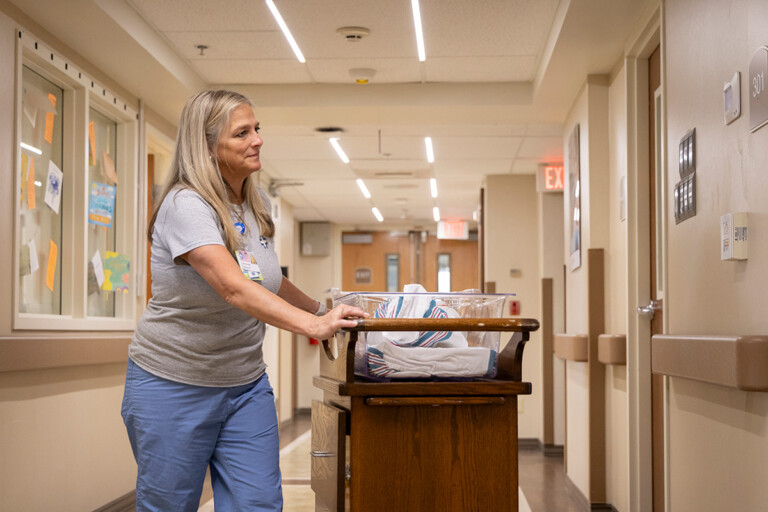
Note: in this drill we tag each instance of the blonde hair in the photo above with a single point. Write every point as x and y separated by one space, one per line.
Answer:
204 118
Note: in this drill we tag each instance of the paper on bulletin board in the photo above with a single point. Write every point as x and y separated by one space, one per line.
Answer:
24 167
101 204
92 141
49 119
53 186
108 167
34 263
116 272
51 267
98 268
31 203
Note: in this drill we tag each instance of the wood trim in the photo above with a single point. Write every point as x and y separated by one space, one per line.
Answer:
734 361
572 347
547 350
20 354
612 349
596 375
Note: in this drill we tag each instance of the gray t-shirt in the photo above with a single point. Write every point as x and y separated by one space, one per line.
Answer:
188 333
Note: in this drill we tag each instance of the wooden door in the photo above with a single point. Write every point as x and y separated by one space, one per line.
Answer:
656 185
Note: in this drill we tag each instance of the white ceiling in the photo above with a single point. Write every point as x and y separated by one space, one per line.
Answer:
499 78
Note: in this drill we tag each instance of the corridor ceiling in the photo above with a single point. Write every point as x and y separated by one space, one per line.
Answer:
499 79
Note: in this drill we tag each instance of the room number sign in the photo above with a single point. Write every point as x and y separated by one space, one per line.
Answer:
758 97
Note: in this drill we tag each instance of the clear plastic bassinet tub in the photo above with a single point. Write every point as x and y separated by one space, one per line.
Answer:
434 355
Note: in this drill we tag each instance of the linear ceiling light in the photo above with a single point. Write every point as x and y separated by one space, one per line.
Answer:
433 186
430 151
417 26
436 214
286 32
363 188
335 143
31 148
377 214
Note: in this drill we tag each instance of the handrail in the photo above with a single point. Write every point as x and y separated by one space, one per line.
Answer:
446 324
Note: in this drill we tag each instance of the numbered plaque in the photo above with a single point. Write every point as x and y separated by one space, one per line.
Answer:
758 98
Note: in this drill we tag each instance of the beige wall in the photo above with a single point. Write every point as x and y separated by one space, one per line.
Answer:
511 242
718 437
616 411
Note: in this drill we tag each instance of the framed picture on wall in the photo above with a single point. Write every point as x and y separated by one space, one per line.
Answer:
574 199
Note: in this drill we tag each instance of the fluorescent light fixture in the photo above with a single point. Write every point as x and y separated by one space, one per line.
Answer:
377 214
38 183
417 26
436 214
31 148
363 188
286 32
335 143
433 186
430 151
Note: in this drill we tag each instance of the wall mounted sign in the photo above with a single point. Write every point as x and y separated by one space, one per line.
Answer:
363 275
452 230
758 98
550 178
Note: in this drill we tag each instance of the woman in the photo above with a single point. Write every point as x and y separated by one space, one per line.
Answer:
196 392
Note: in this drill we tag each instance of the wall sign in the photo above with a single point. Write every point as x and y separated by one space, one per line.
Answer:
452 230
363 275
550 178
758 98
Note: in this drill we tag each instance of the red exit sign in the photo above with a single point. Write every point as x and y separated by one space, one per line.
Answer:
452 230
550 178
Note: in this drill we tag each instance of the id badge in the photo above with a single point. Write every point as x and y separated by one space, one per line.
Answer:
248 265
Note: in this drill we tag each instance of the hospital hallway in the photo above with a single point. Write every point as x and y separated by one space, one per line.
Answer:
543 486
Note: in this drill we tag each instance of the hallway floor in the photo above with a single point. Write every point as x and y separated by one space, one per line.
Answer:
542 480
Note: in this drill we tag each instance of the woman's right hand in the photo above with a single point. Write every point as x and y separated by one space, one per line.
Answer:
343 315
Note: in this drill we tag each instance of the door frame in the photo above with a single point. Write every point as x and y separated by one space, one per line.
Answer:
638 260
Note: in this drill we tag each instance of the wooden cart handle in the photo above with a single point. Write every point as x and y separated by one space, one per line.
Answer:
445 324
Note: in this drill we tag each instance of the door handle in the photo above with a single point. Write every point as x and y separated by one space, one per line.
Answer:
322 454
650 309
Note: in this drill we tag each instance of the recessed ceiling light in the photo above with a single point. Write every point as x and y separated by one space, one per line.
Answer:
286 31
419 32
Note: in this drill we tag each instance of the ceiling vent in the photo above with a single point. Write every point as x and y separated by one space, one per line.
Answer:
329 129
353 34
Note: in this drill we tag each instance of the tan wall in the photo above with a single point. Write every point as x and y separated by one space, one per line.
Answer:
715 434
616 412
512 242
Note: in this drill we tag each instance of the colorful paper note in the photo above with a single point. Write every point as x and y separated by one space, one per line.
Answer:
92 140
101 204
31 191
49 117
24 167
51 269
53 186
116 272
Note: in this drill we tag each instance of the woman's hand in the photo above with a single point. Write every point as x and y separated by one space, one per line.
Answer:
343 315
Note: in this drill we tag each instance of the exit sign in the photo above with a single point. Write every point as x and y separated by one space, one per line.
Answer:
550 178
452 230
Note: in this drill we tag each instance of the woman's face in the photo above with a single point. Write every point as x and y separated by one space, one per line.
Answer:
239 144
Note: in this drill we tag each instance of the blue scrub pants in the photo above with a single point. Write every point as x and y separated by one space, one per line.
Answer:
178 430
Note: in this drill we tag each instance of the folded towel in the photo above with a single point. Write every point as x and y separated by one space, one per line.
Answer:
391 361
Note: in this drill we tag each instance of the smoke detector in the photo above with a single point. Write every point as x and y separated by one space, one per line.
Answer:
353 34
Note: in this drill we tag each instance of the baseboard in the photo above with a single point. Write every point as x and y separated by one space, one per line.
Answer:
553 450
302 411
125 503
582 502
528 443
